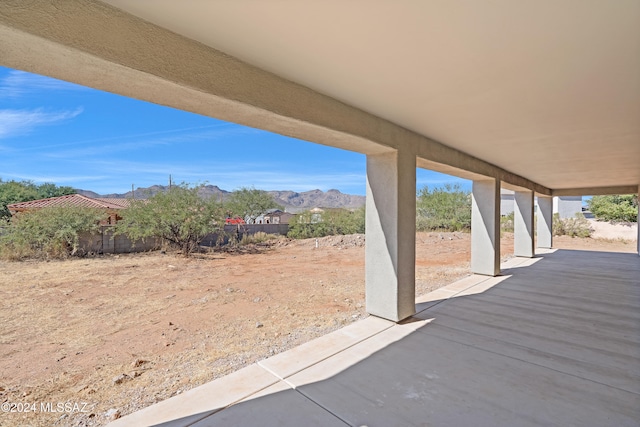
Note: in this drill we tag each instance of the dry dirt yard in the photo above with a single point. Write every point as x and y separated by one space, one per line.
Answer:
110 335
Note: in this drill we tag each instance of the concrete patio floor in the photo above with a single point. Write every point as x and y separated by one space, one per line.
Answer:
554 340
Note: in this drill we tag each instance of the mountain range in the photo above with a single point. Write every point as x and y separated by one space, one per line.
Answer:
292 201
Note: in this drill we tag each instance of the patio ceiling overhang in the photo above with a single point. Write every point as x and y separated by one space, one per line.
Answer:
541 95
533 96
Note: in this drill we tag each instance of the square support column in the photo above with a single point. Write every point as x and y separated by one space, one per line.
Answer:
545 222
390 251
485 227
523 224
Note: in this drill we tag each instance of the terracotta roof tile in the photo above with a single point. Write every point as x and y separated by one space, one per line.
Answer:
71 200
123 203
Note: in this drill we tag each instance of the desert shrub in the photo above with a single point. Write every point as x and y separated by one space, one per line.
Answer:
619 208
507 222
331 222
443 208
179 216
259 237
305 225
48 233
577 226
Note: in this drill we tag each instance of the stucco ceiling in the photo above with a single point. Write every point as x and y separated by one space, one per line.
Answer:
549 90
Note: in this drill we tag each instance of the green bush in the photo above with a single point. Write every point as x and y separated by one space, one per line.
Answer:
179 216
445 208
615 208
48 233
577 226
331 222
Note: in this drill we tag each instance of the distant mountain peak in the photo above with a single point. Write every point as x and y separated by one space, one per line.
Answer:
292 201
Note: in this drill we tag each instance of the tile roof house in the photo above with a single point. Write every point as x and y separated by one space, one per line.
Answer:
104 241
111 205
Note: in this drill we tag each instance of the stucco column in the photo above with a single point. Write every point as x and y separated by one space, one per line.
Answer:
485 227
545 222
390 252
523 224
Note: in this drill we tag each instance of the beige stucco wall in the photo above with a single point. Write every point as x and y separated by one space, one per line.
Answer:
106 242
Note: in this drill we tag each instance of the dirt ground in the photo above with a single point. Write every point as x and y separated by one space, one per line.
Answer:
619 231
87 340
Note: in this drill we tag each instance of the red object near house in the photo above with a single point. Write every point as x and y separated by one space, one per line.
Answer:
234 221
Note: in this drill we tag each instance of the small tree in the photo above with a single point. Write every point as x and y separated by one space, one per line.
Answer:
179 216
15 192
49 189
443 208
615 208
48 232
250 203
24 191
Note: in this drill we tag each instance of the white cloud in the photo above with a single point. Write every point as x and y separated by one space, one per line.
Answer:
19 83
19 122
149 139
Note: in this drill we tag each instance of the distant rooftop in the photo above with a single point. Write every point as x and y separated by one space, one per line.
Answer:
70 200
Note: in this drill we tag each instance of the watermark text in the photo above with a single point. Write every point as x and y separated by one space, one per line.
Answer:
48 407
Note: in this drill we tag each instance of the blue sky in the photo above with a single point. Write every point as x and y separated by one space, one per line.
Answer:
54 131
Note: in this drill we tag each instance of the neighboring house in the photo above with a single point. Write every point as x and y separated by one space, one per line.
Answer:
278 217
565 206
274 216
109 205
102 242
274 221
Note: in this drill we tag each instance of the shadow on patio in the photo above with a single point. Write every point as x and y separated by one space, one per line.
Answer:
556 342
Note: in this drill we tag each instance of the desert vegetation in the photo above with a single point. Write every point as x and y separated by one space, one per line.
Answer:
578 226
446 208
179 216
48 233
616 208
330 222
